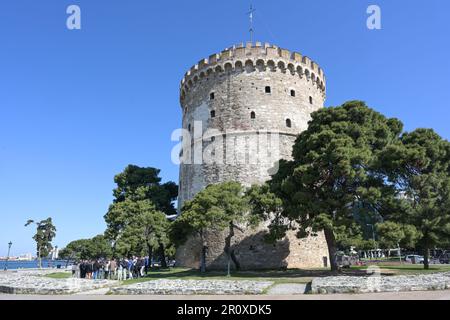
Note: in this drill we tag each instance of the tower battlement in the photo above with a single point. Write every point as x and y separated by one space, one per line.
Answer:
254 57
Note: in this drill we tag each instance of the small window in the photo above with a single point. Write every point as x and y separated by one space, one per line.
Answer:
213 138
211 96
252 115
267 89
288 123
310 100
213 113
189 127
292 93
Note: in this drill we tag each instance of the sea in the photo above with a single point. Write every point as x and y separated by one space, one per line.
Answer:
33 264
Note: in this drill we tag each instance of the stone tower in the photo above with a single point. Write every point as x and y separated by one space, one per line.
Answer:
242 110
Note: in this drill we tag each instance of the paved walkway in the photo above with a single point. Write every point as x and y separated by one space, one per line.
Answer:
416 295
287 289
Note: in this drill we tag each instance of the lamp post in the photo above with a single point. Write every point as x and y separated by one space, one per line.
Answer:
7 257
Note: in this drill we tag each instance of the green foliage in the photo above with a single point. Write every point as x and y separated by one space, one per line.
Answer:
136 220
144 228
336 167
213 208
148 182
419 167
45 232
217 207
86 249
393 234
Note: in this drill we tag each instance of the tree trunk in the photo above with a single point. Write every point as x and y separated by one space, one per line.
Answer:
235 260
162 256
332 248
426 258
39 258
227 249
203 254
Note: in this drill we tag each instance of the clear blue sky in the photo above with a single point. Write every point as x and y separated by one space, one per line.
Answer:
78 106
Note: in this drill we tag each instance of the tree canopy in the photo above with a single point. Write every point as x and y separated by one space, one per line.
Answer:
335 167
137 219
217 207
45 232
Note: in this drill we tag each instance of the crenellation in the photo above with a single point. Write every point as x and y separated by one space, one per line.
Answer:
255 53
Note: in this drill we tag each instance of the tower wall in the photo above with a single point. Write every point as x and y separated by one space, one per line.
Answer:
252 100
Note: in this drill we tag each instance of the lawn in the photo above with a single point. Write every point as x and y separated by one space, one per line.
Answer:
277 276
59 275
405 269
284 276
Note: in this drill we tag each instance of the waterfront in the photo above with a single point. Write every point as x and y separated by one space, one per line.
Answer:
32 264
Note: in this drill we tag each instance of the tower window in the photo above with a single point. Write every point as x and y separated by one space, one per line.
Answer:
310 100
288 123
211 96
252 115
213 113
268 89
292 93
189 127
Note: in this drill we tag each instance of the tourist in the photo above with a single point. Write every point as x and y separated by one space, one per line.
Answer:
106 267
74 270
130 268
112 268
120 271
89 269
83 269
124 268
147 264
141 269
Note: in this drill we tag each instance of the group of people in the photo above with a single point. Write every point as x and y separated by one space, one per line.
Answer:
114 269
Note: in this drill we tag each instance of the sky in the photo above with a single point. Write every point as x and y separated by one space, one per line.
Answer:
78 106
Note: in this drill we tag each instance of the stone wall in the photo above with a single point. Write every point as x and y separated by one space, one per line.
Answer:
242 110
377 283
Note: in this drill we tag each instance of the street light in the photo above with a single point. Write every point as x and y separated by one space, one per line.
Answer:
7 257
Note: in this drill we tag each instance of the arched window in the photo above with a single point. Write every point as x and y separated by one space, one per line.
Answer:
292 93
267 89
288 123
271 65
213 113
211 96
252 115
310 100
189 127
260 65
249 66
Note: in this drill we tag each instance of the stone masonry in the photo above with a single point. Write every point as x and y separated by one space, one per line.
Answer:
242 111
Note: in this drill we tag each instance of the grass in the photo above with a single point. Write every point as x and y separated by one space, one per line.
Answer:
58 275
404 269
285 276
277 276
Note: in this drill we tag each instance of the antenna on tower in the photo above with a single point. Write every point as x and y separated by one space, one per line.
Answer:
250 16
